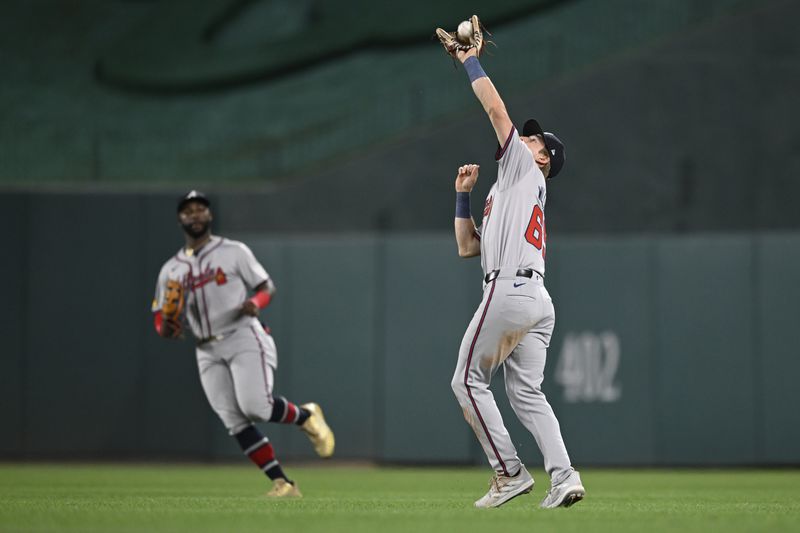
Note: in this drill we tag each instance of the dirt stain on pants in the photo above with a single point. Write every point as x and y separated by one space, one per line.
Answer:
508 342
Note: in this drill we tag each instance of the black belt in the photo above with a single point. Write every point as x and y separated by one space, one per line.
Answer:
522 273
212 338
206 340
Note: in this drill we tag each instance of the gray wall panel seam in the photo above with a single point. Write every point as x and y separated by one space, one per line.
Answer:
141 378
379 341
24 353
656 451
757 362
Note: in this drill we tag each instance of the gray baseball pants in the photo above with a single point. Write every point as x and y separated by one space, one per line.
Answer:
237 377
511 328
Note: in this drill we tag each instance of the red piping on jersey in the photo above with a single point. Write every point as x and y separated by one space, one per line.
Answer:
191 276
205 309
263 364
501 151
466 380
202 255
200 258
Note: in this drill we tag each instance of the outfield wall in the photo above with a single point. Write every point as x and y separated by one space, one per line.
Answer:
667 350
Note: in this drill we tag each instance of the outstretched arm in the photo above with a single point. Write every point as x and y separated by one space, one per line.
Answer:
468 244
487 94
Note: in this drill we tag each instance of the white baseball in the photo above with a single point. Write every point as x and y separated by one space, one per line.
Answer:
465 31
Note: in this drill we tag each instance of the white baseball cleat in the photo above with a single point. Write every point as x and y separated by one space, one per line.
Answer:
566 493
504 488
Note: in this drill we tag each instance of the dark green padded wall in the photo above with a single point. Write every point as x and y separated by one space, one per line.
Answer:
429 296
705 357
602 290
778 349
14 219
667 350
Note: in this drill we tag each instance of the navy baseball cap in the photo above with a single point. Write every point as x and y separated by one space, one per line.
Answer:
551 142
193 196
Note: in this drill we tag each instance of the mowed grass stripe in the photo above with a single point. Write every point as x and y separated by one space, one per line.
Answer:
199 498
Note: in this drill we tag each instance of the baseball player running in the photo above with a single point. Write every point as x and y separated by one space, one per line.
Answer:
514 322
235 355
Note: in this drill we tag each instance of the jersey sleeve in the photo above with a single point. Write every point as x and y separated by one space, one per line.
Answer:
514 159
250 269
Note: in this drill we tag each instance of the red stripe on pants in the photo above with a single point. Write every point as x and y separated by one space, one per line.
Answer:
469 389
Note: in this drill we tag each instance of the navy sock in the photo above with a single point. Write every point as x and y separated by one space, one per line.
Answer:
258 448
285 412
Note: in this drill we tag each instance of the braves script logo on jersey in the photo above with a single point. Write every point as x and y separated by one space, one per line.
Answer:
207 276
487 208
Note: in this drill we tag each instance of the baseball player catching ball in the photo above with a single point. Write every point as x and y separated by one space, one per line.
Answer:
211 279
514 322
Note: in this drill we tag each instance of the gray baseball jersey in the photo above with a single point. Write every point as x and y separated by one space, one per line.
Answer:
512 232
216 281
514 322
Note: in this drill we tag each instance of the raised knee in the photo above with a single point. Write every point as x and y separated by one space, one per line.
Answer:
256 413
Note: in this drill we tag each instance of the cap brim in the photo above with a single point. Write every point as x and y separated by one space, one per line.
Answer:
198 199
531 128
557 153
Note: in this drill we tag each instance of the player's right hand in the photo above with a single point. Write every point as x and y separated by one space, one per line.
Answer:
467 177
249 308
463 55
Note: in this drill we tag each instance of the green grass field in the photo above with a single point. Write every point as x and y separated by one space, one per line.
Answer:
198 498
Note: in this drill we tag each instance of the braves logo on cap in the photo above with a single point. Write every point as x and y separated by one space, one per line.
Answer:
193 196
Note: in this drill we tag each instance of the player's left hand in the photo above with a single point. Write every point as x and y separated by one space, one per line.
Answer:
249 308
467 177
